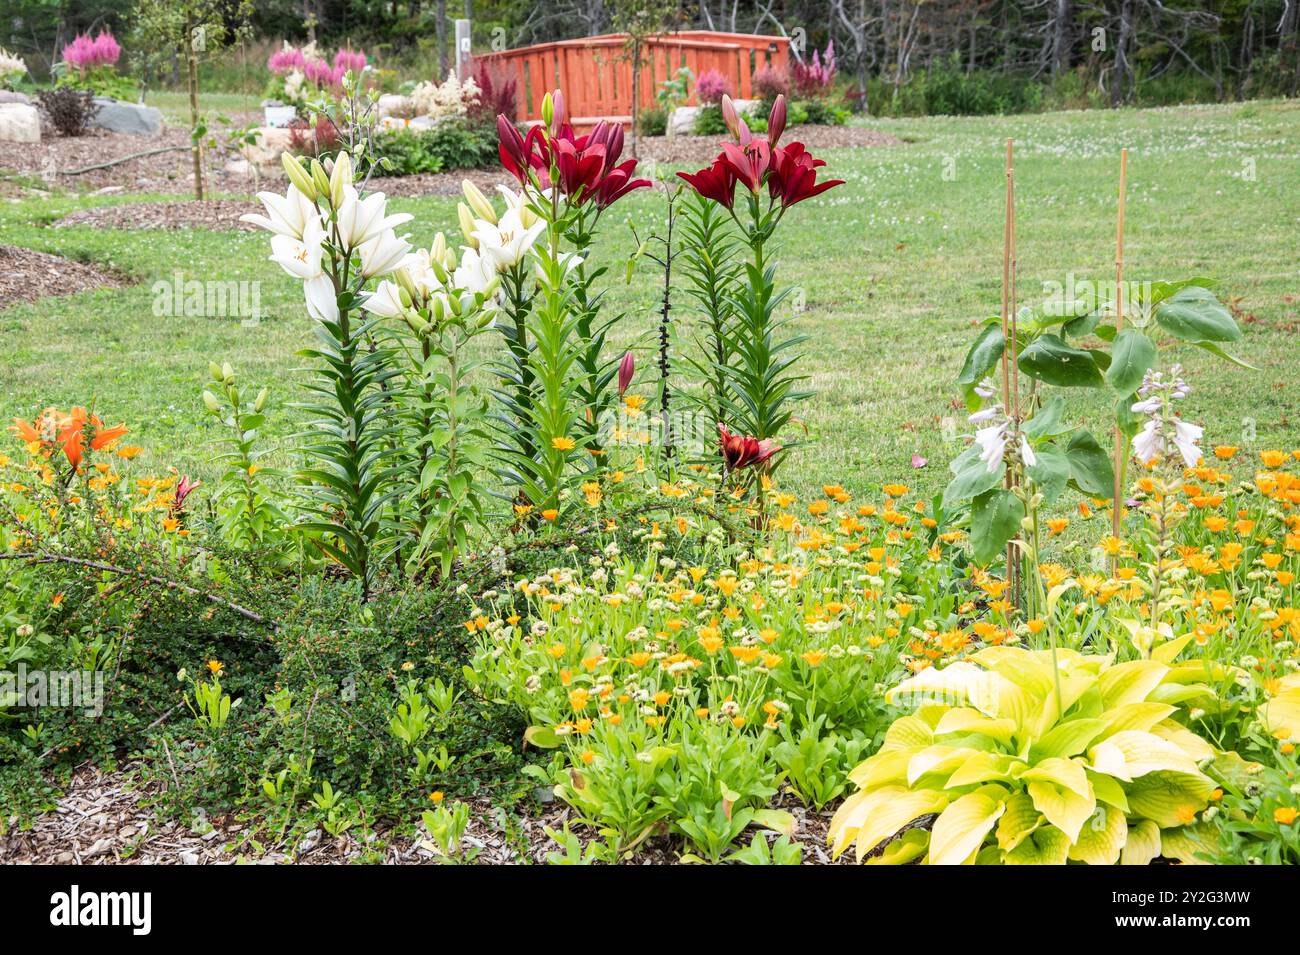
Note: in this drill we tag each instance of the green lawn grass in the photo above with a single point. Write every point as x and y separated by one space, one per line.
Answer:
896 268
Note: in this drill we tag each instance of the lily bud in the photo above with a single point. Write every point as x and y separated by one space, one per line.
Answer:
405 284
210 400
626 368
449 260
298 176
342 176
438 251
776 120
441 271
548 109
227 373
466 224
405 297
418 324
438 311
321 178
478 202
260 403
215 371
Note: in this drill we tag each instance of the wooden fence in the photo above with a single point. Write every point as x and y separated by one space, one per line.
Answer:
595 73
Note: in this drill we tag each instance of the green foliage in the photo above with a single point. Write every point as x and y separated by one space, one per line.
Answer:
452 144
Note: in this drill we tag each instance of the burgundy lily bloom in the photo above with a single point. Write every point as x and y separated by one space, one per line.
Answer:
735 122
716 182
581 166
749 163
626 368
184 488
521 153
742 451
794 175
617 183
776 121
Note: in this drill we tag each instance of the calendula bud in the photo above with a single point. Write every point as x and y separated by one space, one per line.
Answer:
340 177
211 402
467 226
298 175
478 202
260 403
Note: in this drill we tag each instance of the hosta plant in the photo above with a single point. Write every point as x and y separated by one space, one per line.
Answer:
1028 757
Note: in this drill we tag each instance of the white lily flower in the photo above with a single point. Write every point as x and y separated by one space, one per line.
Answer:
385 301
382 254
322 304
360 220
300 257
285 215
508 241
475 272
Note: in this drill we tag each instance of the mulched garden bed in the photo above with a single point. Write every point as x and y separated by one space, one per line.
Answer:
215 214
104 818
26 275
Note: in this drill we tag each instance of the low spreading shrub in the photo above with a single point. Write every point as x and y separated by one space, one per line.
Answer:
68 110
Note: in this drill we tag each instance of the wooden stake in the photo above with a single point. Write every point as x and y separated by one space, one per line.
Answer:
1009 374
1120 457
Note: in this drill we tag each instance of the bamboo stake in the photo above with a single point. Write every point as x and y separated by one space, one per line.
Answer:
1008 336
1116 503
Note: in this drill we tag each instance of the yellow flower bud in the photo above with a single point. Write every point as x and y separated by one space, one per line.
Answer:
466 224
478 202
298 176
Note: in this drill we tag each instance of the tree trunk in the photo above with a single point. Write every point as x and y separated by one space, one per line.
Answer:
196 149
440 32
1118 94
1062 34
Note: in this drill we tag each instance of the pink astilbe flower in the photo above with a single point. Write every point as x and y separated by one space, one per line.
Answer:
83 53
354 60
711 87
287 59
816 77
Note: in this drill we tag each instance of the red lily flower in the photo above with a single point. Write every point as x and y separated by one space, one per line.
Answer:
749 163
67 432
716 182
793 175
743 451
184 488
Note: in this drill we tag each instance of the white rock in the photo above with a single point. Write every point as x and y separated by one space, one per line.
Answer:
394 104
682 121
19 123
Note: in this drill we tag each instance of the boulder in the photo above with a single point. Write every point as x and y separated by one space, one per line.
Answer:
267 145
19 123
13 96
682 121
394 104
130 118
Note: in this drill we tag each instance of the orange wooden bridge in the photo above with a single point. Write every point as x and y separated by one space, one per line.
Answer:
595 72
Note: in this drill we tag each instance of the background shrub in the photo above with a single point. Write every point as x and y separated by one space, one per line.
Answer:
69 110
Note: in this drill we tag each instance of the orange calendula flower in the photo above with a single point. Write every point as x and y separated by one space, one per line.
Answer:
813 658
1285 815
563 444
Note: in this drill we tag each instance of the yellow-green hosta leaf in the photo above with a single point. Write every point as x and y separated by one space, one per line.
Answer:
888 766
1183 693
965 719
940 761
960 829
908 732
1102 838
1131 682
1187 844
1201 671
907 848
1169 799
1134 716
1045 846
1132 753
1108 790
892 814
984 768
957 684
1067 739
1067 773
1064 808
1168 651
1281 714
1018 821
1025 668
1143 844
1196 748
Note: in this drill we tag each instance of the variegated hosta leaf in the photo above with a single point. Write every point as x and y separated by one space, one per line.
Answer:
986 768
1134 716
1187 843
937 761
1025 668
1191 744
1130 682
1018 821
1108 790
960 829
1132 753
907 848
1061 792
965 719
1067 739
1169 799
879 815
1045 846
1102 838
958 684
1281 714
1143 843
884 768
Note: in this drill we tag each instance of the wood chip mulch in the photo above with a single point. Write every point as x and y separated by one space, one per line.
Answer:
215 214
26 275
104 818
